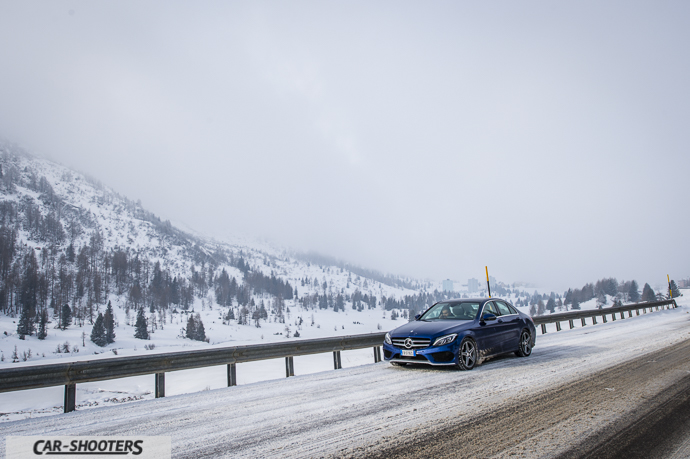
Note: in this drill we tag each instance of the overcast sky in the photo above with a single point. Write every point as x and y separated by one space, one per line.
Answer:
547 140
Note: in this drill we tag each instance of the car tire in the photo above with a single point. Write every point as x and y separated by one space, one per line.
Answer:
525 344
467 354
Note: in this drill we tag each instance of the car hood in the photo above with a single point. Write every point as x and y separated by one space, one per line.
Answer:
422 328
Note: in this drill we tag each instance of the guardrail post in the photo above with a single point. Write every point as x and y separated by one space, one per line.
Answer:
336 360
377 354
583 321
622 315
644 310
594 320
558 326
637 312
613 316
629 313
603 318
232 374
160 385
543 329
572 325
289 367
70 397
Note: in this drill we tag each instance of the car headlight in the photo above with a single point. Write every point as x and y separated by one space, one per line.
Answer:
443 340
387 339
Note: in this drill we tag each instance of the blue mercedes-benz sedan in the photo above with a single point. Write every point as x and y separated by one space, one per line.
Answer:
460 333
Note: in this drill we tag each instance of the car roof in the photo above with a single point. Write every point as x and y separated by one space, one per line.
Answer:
468 300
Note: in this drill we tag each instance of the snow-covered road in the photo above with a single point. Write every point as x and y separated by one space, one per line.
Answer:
345 412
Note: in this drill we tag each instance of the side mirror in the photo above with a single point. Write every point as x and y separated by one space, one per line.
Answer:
417 316
488 316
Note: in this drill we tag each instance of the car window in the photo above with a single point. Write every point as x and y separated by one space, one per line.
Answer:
465 311
503 308
452 311
490 308
512 308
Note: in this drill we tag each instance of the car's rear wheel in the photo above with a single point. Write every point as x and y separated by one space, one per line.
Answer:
467 354
525 346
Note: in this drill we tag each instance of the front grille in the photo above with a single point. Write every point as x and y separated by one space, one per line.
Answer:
417 343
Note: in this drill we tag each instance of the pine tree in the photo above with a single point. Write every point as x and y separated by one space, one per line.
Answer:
66 318
576 303
109 324
43 325
26 323
648 294
141 327
675 292
195 328
601 300
98 332
551 305
568 297
190 331
634 292
70 253
200 331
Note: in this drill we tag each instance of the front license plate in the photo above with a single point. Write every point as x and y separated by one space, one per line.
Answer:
408 353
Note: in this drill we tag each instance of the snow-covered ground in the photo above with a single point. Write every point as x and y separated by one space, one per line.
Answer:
326 323
332 413
660 328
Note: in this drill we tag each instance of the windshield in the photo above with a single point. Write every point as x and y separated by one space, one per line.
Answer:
451 311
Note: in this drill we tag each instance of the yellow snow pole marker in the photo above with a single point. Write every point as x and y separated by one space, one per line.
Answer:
670 293
488 286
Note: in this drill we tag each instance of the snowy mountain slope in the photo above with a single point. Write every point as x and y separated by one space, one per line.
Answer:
83 206
89 246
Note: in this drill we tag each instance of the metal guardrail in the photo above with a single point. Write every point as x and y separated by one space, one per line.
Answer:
594 313
69 374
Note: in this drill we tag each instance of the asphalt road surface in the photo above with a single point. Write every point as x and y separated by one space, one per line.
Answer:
612 390
654 388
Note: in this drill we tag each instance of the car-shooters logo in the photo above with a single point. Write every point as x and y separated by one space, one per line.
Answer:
66 447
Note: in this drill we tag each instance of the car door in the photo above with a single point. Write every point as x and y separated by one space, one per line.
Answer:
510 334
488 333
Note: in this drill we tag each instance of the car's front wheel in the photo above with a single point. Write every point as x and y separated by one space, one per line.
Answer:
525 346
467 354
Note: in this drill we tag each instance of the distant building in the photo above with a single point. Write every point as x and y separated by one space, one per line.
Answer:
472 285
448 285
